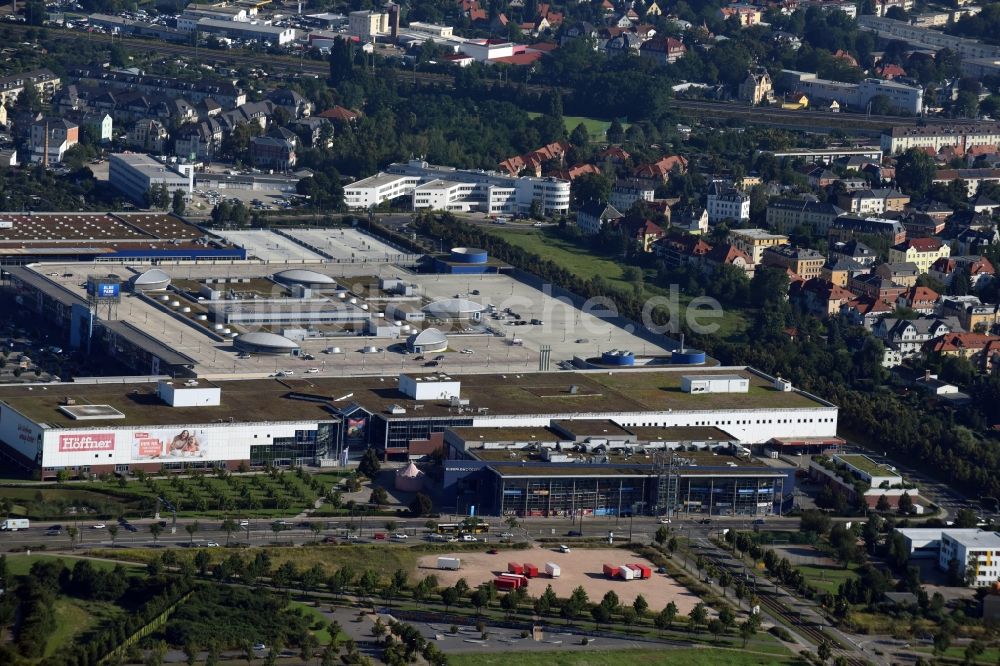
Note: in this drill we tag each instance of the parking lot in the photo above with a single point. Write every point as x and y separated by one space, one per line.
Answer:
582 566
348 245
269 246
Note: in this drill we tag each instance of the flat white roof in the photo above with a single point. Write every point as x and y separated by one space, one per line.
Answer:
974 538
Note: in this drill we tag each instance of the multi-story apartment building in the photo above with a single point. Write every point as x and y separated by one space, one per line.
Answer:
920 251
786 215
755 241
873 202
802 261
927 38
965 136
727 203
44 82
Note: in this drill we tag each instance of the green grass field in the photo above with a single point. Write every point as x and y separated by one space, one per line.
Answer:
596 127
826 579
359 557
20 565
315 615
72 619
587 263
586 657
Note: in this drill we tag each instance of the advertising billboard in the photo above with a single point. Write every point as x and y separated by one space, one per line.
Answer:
162 444
108 445
104 441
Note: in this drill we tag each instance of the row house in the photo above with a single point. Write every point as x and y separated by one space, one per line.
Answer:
148 136
873 202
660 170
533 162
846 227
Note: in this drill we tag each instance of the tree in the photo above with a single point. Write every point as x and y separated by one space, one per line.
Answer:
202 560
229 526
422 505
640 605
824 652
379 496
725 580
178 204
449 596
601 615
747 631
156 530
479 599
672 545
966 519
661 535
580 137
727 617
615 133
316 530
716 628
915 172
113 532
370 465
591 187
698 616
882 505
905 504
191 528
611 601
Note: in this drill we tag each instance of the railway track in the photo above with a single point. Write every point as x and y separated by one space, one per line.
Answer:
293 65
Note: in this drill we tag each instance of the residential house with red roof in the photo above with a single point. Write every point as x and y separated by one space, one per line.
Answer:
661 169
614 154
977 267
681 250
534 161
980 348
819 297
918 299
866 311
642 232
728 254
340 114
662 50
920 251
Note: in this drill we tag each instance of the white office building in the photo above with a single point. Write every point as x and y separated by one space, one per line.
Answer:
136 174
977 553
459 190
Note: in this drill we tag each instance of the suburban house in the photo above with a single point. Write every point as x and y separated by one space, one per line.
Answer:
819 297
757 87
593 215
906 338
726 203
919 299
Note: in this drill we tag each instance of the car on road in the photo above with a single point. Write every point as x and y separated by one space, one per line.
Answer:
469 537
439 357
507 535
330 540
467 351
212 544
664 521
759 521
564 548
312 371
130 527
244 523
53 531
431 364
399 537
99 526
705 521
259 647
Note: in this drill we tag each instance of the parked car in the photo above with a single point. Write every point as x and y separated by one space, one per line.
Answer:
564 549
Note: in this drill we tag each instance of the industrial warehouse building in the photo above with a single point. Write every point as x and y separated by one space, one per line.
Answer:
123 427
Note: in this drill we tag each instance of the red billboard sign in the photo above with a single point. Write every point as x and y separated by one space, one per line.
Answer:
102 441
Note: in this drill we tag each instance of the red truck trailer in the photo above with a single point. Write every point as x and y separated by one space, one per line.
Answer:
530 570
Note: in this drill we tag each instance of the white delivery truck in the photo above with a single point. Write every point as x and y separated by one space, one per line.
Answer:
449 563
14 524
552 569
